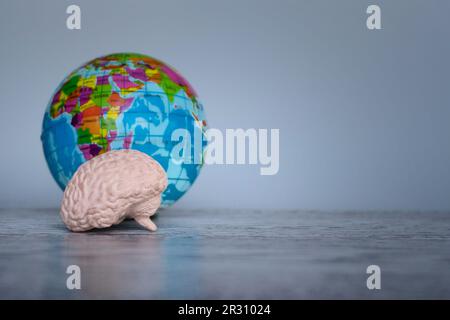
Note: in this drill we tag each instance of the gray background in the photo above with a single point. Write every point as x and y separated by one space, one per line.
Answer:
363 115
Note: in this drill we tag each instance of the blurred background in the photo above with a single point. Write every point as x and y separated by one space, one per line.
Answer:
363 115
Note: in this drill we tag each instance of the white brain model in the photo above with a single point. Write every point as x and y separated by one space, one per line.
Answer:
111 187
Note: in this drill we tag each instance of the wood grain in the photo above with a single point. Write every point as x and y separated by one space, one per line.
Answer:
229 254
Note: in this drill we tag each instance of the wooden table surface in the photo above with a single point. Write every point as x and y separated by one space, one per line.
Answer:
251 254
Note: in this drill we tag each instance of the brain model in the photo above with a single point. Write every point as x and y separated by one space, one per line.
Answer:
111 187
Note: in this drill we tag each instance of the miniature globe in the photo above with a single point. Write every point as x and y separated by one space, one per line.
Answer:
126 101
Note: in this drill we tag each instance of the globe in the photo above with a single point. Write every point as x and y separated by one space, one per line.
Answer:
126 101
